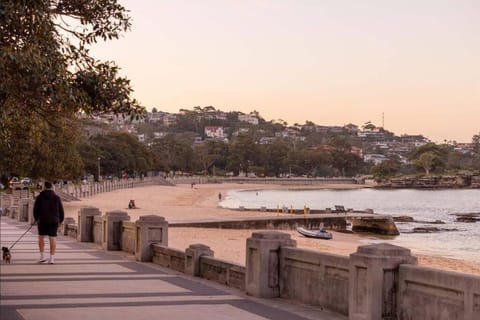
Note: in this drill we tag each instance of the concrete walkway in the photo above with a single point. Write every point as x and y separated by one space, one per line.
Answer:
88 283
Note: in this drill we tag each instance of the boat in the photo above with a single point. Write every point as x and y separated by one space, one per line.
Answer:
318 234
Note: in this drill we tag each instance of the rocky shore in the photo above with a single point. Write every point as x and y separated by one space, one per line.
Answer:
434 182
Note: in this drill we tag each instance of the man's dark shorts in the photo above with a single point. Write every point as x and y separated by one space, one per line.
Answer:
48 229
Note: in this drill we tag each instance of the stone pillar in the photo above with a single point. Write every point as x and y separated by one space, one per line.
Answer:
373 277
30 217
66 222
150 229
23 210
192 258
13 212
263 262
85 223
112 229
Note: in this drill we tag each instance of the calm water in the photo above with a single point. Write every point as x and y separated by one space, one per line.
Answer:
426 205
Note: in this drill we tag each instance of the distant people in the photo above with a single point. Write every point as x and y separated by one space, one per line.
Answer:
219 196
48 213
131 204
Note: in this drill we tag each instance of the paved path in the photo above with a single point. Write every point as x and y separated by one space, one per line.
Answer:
88 283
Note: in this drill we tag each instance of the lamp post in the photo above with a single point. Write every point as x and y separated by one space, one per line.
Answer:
98 178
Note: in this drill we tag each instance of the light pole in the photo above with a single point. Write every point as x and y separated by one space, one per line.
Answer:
98 178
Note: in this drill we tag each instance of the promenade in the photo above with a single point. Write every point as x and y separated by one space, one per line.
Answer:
88 283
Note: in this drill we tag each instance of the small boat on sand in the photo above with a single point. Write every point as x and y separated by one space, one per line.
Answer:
318 234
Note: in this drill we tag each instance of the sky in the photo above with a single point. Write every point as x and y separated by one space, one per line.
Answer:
333 62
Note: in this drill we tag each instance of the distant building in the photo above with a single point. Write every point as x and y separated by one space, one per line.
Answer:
240 131
215 132
169 119
248 118
374 158
155 116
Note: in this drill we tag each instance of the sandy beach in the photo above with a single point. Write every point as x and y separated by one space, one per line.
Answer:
184 203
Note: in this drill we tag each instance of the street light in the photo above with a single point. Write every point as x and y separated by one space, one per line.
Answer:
98 178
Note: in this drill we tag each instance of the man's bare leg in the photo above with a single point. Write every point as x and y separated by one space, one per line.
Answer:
41 247
53 249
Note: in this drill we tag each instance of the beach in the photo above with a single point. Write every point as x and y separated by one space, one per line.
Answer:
200 202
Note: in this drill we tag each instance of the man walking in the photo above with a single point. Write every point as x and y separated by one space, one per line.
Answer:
48 213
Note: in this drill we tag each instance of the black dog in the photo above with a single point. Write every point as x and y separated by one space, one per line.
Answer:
6 255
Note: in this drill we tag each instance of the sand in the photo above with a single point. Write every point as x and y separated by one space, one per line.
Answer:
183 203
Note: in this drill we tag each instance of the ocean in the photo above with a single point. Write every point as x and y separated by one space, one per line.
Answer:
424 205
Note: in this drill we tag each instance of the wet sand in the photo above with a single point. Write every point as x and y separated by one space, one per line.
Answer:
183 203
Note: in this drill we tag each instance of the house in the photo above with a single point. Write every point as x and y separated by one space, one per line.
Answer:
155 116
248 118
215 132
169 119
374 158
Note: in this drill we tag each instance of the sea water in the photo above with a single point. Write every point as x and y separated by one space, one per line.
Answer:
424 205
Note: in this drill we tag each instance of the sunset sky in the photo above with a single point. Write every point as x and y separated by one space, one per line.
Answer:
332 62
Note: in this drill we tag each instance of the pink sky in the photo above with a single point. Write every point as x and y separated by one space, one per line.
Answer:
328 61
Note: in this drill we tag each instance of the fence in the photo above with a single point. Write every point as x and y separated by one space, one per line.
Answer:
379 281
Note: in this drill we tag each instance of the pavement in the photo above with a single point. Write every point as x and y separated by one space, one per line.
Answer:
88 283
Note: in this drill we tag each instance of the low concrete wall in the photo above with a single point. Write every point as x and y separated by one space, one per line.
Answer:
315 278
71 230
129 234
429 294
223 272
169 257
275 223
378 281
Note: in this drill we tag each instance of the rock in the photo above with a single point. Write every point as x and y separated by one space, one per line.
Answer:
403 219
431 230
467 219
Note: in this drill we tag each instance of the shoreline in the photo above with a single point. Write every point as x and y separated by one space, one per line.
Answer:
184 203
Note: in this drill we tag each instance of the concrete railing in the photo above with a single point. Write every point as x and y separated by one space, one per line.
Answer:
72 191
169 257
379 281
223 272
425 293
315 278
129 235
97 230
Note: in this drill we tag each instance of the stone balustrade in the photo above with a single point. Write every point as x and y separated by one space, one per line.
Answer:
379 281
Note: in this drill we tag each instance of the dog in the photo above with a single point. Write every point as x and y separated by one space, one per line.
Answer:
6 255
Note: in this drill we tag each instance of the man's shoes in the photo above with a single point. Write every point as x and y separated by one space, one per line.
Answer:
42 260
51 261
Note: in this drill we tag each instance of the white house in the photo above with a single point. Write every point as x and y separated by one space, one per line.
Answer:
374 158
248 118
215 132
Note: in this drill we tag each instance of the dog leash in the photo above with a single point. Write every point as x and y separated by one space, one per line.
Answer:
22 235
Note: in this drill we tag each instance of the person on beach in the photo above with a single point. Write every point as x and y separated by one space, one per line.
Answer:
48 213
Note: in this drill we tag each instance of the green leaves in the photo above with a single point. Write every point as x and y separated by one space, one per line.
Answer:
48 78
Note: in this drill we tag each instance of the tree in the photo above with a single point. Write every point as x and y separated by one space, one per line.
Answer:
211 153
436 160
385 170
118 152
476 143
368 126
243 152
426 161
175 151
48 77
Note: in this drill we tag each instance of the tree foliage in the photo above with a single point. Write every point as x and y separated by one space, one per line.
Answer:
118 153
48 77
